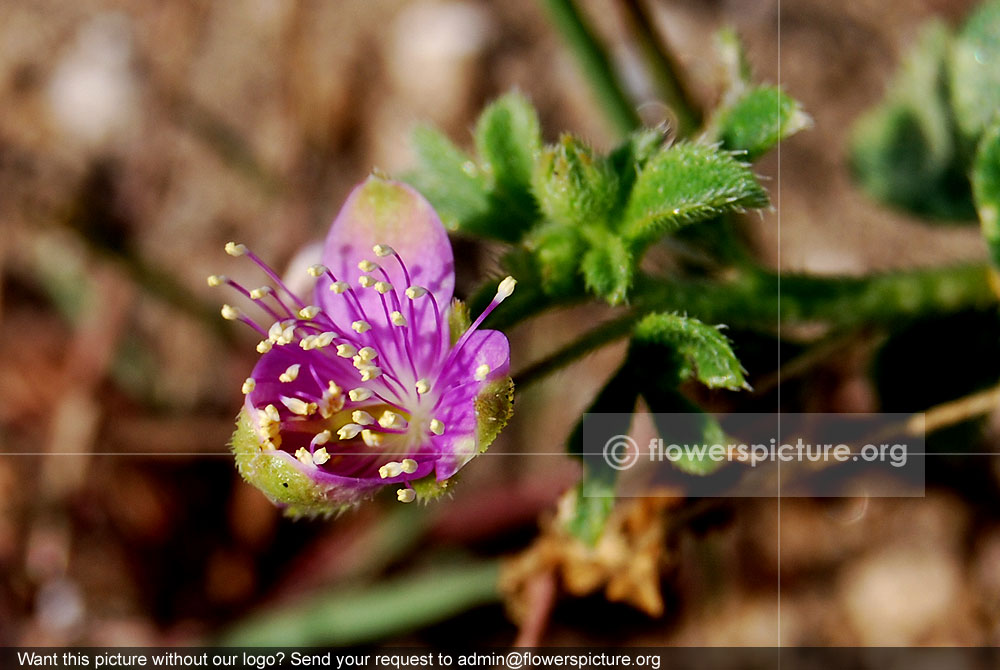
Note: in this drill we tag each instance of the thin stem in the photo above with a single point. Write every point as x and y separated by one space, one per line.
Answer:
663 68
595 64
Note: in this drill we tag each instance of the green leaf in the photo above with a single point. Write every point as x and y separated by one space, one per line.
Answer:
628 159
572 186
685 184
975 71
758 120
596 493
558 249
704 351
986 189
508 138
449 178
607 267
903 152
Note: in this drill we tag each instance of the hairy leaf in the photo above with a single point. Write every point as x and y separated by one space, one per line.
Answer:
758 120
704 351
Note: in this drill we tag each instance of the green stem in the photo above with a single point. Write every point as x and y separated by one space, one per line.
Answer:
595 64
753 300
663 68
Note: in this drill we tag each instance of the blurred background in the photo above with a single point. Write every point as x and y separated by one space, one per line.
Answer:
137 138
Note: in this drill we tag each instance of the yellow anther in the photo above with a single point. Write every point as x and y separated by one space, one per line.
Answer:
390 470
367 353
406 495
271 414
409 466
367 266
298 406
506 287
216 280
320 456
383 250
346 350
324 339
263 346
437 427
316 270
339 287
309 312
481 372
423 386
361 326
349 431
371 372
249 385
383 287
290 374
234 249
390 419
397 319
230 313
304 456
371 438
359 394
366 281
258 293
308 342
331 402
361 417
415 292
321 438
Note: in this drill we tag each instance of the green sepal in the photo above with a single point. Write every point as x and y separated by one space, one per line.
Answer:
494 407
607 267
572 185
277 476
557 248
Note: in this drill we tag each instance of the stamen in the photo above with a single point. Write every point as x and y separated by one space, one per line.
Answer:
370 373
423 386
317 270
290 374
359 394
383 287
263 346
309 312
271 413
409 466
361 326
321 438
346 350
390 470
234 249
298 406
331 402
367 354
406 495
367 266
390 420
320 456
249 385
308 342
339 287
437 427
263 291
230 313
361 417
504 290
324 339
349 431
216 280
371 438
367 281
415 292
481 372
304 456
383 250
397 319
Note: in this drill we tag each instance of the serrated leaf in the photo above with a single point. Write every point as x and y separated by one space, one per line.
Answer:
607 268
903 151
975 71
449 178
758 120
986 189
572 185
705 352
558 249
508 138
685 184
